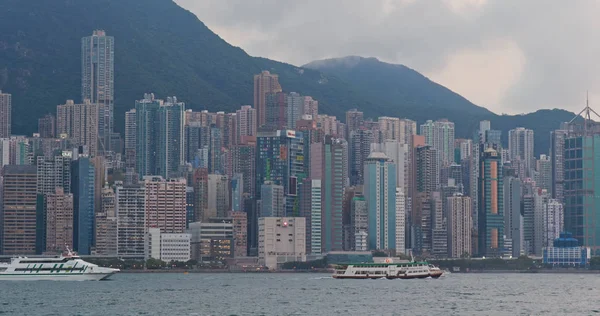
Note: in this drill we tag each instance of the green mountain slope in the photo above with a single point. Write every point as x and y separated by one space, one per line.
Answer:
404 92
162 48
159 48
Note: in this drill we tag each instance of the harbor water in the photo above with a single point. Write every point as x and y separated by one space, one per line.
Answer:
305 294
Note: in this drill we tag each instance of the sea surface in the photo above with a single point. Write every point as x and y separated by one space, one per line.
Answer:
305 294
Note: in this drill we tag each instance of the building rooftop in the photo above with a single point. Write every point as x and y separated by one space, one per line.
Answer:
378 155
19 169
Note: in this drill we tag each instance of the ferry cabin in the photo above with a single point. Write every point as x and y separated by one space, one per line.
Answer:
408 270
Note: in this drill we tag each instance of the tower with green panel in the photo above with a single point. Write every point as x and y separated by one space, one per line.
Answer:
581 179
332 193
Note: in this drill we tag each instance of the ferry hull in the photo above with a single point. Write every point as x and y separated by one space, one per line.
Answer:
55 277
389 277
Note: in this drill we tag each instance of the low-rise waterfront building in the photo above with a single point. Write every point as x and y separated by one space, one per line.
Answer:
281 240
566 252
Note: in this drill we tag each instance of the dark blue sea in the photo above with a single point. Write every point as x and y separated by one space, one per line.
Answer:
306 294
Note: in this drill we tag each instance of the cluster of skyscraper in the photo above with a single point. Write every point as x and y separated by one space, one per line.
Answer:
360 185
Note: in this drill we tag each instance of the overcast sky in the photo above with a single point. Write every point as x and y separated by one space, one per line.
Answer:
511 56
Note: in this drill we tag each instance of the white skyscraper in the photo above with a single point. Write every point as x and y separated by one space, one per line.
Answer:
315 217
543 175
553 221
400 221
440 135
97 80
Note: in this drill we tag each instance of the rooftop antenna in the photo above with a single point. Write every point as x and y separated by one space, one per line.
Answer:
586 113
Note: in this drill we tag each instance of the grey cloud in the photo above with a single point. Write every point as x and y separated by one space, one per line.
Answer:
557 38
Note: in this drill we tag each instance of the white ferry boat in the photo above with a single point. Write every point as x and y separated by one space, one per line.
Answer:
69 267
389 270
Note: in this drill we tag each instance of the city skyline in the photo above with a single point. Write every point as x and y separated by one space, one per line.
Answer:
182 183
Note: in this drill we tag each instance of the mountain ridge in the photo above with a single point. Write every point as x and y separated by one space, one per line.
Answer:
401 82
165 49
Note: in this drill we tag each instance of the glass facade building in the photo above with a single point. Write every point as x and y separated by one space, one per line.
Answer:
582 219
380 193
82 186
491 205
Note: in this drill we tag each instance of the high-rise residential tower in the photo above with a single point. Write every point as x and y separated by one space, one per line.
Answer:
54 172
389 127
19 217
47 126
131 220
130 138
218 195
147 130
354 121
316 218
106 224
79 122
246 123
98 80
460 223
5 114
543 174
553 221
165 204
427 170
58 208
264 83
557 158
440 135
311 106
200 184
520 146
400 221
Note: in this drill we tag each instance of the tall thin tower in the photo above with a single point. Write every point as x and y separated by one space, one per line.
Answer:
5 114
97 81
